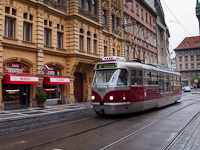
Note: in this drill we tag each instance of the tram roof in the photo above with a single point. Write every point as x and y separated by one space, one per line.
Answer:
138 65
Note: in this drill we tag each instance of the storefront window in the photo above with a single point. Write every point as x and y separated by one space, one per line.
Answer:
11 94
52 91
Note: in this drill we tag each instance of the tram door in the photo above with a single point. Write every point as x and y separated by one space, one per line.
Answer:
25 95
78 87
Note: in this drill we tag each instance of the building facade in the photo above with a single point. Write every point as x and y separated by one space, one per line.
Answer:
53 45
188 59
140 31
162 37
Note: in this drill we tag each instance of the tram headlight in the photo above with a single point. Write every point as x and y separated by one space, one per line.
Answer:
111 98
93 97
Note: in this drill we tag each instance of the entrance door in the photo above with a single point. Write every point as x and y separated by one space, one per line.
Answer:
78 87
25 95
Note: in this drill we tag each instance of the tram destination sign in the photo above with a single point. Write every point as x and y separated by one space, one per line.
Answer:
108 65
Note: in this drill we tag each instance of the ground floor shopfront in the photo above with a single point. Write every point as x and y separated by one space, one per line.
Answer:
19 83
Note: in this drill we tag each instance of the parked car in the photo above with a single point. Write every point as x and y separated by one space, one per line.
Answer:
186 89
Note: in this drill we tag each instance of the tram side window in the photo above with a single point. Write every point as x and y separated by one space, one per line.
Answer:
171 83
155 78
136 77
161 83
123 77
166 79
147 78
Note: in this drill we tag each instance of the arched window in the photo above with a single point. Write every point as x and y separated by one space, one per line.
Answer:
88 41
81 38
95 43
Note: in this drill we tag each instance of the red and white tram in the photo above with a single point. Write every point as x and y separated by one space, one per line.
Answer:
121 87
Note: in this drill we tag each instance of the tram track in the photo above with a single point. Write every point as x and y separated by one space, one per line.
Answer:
112 123
181 132
153 123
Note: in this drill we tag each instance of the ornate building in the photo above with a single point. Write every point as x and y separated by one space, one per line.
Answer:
140 31
53 45
188 58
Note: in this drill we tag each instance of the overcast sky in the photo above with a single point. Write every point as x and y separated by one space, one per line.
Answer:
185 22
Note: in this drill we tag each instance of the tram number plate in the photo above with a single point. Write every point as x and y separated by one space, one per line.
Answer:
101 103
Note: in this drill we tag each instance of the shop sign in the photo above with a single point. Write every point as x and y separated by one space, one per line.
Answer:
12 70
21 78
17 68
59 79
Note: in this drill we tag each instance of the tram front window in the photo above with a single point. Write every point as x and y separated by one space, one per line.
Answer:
105 77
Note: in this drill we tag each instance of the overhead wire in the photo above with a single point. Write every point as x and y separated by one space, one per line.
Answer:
176 18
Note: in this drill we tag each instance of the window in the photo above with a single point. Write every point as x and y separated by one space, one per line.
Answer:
27 32
117 24
198 57
132 28
81 3
137 10
142 15
151 58
126 24
81 40
7 10
143 34
151 40
47 37
147 78
154 76
25 16
95 44
105 51
104 17
27 27
192 66
148 58
150 20
197 43
123 77
143 56
133 51
113 21
180 58
94 7
59 40
186 58
9 27
127 52
185 44
192 58
138 32
186 66
146 18
181 66
88 41
87 5
147 36
155 40
132 5
136 77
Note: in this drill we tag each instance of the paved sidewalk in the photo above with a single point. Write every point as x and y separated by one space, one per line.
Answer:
34 117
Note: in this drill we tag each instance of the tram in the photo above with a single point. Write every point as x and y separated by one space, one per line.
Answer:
122 87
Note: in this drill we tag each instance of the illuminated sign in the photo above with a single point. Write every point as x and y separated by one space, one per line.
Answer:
109 65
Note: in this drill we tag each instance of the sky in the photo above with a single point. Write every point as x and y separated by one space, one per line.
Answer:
180 17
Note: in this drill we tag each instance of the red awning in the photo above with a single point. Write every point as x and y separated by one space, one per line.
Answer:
20 79
56 80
